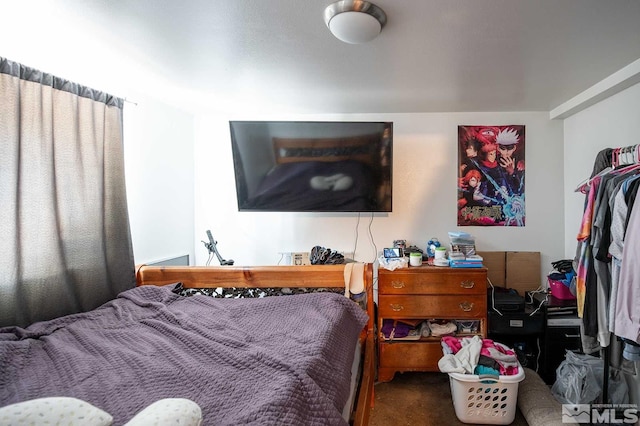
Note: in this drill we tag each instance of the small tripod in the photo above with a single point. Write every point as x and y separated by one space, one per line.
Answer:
211 246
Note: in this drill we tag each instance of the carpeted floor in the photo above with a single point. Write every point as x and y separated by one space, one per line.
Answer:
422 399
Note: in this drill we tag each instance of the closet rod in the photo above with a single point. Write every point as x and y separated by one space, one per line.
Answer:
621 156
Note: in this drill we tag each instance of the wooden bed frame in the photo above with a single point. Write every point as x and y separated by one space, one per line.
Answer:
311 276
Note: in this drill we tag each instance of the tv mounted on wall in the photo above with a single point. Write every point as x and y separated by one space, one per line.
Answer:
312 166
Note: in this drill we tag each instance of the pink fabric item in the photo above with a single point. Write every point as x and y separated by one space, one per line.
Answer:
453 343
583 240
503 355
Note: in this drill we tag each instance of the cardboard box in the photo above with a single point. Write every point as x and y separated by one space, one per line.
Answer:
519 270
495 262
523 271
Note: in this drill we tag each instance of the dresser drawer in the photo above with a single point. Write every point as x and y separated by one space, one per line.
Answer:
431 283
445 306
406 356
426 293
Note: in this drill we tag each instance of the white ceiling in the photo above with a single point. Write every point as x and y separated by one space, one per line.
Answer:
432 56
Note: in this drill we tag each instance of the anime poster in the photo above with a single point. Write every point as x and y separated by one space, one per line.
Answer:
491 176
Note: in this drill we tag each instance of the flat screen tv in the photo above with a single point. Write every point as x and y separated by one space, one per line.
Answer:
312 166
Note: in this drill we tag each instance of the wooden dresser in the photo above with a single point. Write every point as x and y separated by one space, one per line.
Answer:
427 293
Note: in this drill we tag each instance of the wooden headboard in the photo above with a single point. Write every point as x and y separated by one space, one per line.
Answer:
289 150
312 276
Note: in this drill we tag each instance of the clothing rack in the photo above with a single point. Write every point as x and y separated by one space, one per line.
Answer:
625 156
606 161
616 157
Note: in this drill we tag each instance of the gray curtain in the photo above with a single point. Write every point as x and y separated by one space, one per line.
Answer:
65 245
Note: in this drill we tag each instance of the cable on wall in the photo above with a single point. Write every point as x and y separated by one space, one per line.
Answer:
371 240
355 243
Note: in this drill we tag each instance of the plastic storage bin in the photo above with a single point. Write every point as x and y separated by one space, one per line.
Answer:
485 399
559 290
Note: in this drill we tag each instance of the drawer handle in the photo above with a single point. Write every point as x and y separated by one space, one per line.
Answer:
396 307
466 306
571 336
467 284
397 284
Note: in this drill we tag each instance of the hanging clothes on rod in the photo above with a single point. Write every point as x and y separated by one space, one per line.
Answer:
593 238
593 275
625 156
603 160
607 160
608 275
586 184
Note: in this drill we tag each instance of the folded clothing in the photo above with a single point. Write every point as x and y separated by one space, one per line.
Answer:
394 328
399 329
445 329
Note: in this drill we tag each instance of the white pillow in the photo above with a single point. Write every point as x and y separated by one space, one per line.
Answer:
61 410
169 411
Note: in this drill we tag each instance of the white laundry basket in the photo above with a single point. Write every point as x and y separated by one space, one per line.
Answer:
485 399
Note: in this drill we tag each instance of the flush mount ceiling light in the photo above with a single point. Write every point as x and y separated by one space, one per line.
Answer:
354 21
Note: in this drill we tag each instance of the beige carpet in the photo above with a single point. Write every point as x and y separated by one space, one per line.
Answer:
418 399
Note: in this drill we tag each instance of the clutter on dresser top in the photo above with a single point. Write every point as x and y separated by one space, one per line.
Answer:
460 254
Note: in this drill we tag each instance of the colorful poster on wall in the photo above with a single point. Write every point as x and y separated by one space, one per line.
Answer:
491 175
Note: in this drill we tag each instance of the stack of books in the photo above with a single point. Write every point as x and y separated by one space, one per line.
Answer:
459 260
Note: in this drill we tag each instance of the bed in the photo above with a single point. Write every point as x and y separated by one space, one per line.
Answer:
321 174
252 360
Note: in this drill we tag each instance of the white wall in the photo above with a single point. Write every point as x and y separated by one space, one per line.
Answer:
160 188
424 152
613 122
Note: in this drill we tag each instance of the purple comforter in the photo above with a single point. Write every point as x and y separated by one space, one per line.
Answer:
276 360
